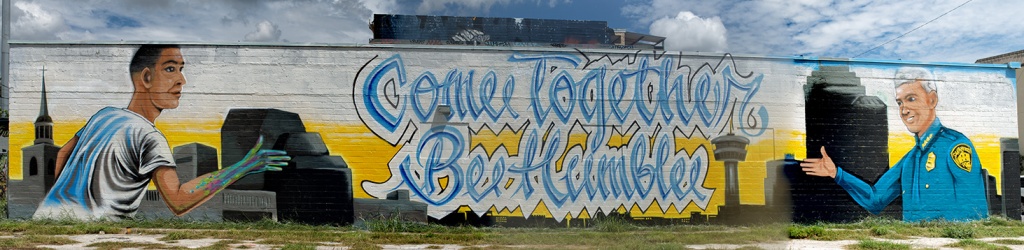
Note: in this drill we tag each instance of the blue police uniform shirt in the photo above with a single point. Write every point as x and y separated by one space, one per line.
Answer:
940 178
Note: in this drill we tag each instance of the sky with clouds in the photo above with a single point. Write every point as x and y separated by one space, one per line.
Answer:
974 29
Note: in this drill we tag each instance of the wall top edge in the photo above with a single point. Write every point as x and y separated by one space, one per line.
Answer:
798 59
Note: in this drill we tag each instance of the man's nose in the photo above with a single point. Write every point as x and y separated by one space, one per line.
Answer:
180 80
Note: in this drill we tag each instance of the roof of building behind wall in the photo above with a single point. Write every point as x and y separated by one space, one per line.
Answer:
1016 56
633 38
505 32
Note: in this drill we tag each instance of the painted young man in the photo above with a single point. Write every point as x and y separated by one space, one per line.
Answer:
940 178
104 170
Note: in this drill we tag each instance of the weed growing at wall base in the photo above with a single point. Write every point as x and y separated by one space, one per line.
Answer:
613 224
879 245
882 231
958 231
887 228
815 232
609 233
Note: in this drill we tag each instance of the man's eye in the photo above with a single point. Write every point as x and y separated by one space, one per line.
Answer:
912 99
169 69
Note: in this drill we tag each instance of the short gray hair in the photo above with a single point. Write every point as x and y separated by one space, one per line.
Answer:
910 74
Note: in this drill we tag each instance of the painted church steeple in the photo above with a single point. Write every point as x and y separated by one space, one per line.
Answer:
44 124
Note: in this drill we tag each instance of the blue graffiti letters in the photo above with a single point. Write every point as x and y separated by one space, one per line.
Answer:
555 129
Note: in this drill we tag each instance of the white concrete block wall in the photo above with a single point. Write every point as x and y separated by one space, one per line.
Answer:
327 86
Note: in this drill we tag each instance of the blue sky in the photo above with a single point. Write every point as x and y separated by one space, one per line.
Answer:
974 29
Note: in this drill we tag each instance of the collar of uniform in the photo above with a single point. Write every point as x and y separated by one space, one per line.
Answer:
929 135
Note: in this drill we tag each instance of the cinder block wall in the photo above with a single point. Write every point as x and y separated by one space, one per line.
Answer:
547 134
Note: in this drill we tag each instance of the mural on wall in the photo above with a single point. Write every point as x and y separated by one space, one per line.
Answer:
611 138
103 171
562 135
940 178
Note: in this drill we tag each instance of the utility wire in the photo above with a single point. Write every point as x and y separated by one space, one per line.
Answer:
918 27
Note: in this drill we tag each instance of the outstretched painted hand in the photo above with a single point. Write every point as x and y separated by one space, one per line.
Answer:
261 160
256 161
823 167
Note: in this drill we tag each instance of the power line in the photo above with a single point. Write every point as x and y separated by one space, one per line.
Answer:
918 27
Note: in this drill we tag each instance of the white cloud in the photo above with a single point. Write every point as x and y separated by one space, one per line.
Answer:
266 31
379 6
553 3
312 21
689 32
315 21
847 28
832 28
30 21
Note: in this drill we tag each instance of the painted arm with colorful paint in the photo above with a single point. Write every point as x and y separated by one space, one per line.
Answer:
183 197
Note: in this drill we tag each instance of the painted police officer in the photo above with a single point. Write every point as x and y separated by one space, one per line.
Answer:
941 176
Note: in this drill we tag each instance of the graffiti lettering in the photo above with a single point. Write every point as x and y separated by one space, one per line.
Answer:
573 131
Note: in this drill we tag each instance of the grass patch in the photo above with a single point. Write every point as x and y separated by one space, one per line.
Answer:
606 232
362 245
879 245
643 236
221 245
394 225
1000 221
1009 242
31 241
815 232
184 235
890 232
958 231
972 244
667 246
299 247
883 230
893 229
613 224
111 245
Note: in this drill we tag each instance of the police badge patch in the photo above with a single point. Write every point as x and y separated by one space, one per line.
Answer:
930 164
962 156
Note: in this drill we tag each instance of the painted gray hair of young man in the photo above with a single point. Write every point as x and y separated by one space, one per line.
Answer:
911 74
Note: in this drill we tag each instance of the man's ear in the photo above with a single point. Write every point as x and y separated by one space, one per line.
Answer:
147 77
934 98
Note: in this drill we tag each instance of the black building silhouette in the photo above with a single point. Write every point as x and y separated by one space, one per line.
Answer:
853 128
